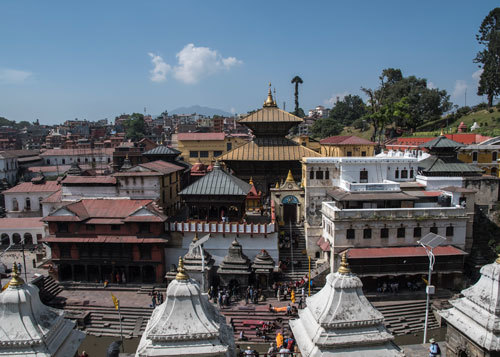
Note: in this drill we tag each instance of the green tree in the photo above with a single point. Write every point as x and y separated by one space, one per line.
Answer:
326 127
135 127
489 57
297 80
424 104
349 109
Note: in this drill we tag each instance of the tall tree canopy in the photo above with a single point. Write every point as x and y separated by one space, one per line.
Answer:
347 110
297 80
135 127
325 127
421 104
489 57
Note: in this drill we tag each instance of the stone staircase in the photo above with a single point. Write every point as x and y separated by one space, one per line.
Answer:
405 317
299 255
48 288
235 316
104 321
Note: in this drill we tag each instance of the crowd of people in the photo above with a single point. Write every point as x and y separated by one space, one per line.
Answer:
157 298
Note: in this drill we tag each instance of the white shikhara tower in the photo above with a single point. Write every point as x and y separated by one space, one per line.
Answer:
30 328
186 324
474 320
340 321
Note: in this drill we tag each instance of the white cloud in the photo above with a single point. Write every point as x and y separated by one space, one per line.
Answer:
160 70
477 75
333 99
13 76
195 63
431 85
460 88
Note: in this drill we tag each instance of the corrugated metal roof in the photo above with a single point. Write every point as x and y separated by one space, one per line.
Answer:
346 140
400 252
341 195
89 180
270 115
26 187
218 182
162 166
200 136
19 223
162 150
269 149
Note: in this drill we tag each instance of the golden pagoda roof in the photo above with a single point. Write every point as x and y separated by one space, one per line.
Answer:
269 149
271 115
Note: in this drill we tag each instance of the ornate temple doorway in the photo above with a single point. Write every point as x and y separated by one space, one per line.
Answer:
290 204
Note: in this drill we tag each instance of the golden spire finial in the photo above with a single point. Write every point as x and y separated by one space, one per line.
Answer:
498 259
251 181
195 238
442 132
181 273
344 265
289 178
269 101
15 279
277 185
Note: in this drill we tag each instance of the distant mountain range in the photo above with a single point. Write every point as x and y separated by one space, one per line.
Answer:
198 109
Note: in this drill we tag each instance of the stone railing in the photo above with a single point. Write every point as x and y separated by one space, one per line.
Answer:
335 213
222 227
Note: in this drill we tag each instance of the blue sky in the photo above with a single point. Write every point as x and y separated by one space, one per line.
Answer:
62 60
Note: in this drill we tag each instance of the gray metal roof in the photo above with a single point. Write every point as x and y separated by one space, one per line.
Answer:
441 142
218 182
162 150
446 165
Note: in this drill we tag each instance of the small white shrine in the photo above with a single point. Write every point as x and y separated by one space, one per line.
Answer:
340 321
186 324
30 328
474 320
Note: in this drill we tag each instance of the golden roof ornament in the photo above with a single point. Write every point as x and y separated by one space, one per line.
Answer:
269 101
277 185
195 238
498 259
344 265
289 178
181 273
15 279
251 181
442 132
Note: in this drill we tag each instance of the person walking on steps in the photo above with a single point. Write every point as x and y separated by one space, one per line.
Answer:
434 349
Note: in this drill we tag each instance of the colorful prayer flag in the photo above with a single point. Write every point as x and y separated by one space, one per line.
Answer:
116 302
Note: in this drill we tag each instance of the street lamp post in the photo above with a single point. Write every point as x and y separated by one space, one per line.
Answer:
429 242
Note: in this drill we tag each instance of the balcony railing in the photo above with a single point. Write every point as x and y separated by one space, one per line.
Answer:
222 227
386 185
335 213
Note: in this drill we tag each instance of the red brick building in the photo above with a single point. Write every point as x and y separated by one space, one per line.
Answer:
108 239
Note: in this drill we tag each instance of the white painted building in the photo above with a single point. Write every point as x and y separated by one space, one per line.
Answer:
17 230
252 237
25 199
100 157
8 167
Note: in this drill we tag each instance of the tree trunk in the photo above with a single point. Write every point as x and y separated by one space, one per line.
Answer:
490 100
296 98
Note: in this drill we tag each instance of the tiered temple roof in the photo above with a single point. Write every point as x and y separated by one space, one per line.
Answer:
186 324
477 314
340 321
263 263
235 262
30 328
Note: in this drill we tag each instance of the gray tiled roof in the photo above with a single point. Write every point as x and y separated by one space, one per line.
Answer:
162 150
446 165
218 182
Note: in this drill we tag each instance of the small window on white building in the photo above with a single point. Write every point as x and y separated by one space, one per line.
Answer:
363 176
396 173
319 175
15 205
384 233
411 173
27 205
449 231
350 233
311 175
367 233
327 175
404 173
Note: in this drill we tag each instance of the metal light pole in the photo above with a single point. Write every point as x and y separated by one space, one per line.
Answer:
429 242
202 268
291 245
